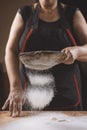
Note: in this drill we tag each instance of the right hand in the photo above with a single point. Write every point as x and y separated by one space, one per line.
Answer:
15 100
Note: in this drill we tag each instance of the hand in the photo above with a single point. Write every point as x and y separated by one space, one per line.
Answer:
72 54
15 100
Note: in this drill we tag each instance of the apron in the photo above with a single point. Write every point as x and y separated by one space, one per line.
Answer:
59 87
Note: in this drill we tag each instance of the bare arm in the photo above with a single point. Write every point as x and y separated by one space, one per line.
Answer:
80 28
12 65
11 55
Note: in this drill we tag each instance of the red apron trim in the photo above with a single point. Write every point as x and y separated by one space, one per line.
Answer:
72 38
78 93
27 37
22 50
77 89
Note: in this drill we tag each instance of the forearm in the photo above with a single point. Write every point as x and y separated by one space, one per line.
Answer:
82 58
12 66
82 53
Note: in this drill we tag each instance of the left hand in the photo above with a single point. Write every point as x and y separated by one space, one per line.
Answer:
15 100
72 54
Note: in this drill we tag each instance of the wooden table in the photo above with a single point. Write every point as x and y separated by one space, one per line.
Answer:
49 116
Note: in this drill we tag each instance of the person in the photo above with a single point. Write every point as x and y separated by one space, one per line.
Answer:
51 33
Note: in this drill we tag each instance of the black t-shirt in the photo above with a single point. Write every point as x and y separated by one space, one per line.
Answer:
26 10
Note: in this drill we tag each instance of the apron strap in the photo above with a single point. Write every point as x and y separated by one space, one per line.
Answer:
65 24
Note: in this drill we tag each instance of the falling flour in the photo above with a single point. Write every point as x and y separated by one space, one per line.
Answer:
39 99
40 90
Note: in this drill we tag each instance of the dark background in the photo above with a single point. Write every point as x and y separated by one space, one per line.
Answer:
8 10
82 4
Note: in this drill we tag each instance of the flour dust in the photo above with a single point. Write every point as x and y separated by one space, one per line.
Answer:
47 121
40 90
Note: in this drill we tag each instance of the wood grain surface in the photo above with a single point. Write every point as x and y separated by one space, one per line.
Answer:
5 117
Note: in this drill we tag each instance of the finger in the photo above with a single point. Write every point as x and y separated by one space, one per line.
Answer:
14 109
23 101
19 108
69 55
11 107
69 58
6 104
64 50
10 113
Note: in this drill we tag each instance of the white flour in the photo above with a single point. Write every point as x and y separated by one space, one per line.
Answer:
38 99
40 79
48 121
40 90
